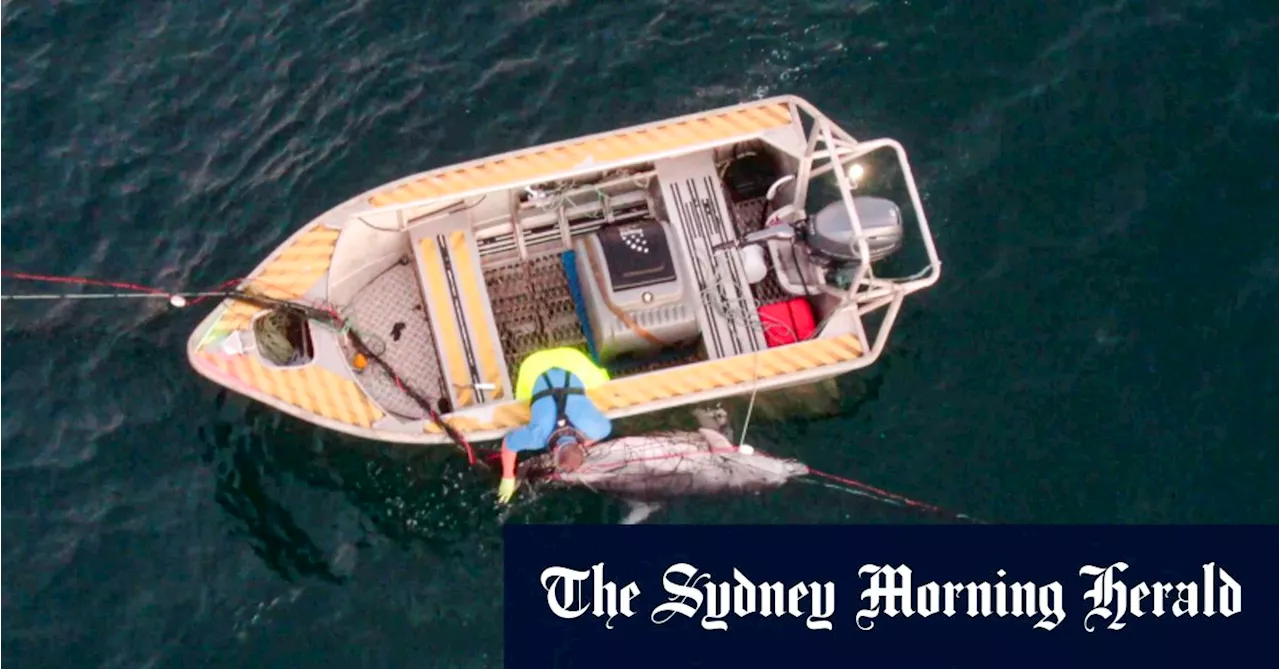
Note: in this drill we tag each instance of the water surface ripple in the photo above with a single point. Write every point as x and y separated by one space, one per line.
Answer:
1102 184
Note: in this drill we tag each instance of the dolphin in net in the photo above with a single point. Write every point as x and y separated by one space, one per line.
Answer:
646 469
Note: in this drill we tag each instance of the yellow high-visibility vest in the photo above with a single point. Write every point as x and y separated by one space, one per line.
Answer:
569 359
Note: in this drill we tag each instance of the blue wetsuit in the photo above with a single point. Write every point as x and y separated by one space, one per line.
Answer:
579 411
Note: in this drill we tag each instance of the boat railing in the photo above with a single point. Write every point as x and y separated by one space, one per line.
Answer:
828 148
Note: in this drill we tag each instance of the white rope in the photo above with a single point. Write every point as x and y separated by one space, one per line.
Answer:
852 491
755 388
178 299
741 315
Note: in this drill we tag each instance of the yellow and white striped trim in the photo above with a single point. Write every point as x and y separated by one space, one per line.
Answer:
622 146
629 392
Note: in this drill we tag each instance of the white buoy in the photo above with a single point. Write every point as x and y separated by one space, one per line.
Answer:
178 301
746 449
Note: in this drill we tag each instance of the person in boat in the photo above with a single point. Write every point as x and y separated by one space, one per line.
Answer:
554 382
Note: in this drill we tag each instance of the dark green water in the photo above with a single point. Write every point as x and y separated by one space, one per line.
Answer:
1102 348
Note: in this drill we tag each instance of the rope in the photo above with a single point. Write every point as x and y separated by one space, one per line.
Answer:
321 312
272 336
886 496
177 299
100 296
728 311
740 315
421 401
83 281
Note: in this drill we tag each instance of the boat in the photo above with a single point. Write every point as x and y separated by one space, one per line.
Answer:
749 248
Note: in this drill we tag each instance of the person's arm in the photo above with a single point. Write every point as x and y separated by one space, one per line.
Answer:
507 487
508 461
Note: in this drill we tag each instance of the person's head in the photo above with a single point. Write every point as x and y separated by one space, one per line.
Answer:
570 457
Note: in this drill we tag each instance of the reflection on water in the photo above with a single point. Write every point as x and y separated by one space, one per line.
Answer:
424 497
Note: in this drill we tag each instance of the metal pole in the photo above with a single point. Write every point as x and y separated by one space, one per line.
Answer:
806 166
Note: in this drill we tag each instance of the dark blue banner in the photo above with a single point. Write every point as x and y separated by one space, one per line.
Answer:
937 596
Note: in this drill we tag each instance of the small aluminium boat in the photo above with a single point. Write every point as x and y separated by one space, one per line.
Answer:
753 247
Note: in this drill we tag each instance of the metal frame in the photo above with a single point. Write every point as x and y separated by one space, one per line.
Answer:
867 292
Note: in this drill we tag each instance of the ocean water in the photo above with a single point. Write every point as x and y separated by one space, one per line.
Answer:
1101 180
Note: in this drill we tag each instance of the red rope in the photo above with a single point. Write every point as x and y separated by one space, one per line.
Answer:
139 288
859 485
464 442
225 285
83 281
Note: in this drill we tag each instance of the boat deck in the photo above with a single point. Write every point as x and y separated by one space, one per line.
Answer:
458 308
695 204
532 306
392 320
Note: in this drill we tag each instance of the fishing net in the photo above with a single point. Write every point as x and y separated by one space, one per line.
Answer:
282 336
662 465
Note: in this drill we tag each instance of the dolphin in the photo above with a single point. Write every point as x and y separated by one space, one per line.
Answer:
646 469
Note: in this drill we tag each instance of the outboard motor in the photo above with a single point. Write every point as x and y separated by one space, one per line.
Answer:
830 231
827 235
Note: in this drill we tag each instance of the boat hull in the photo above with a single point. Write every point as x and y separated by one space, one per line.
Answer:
339 254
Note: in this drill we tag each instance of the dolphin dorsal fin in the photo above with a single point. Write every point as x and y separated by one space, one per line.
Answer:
716 440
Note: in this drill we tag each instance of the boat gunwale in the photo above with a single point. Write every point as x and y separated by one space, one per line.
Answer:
427 437
368 195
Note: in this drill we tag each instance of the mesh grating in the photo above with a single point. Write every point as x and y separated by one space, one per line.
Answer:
389 315
533 308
